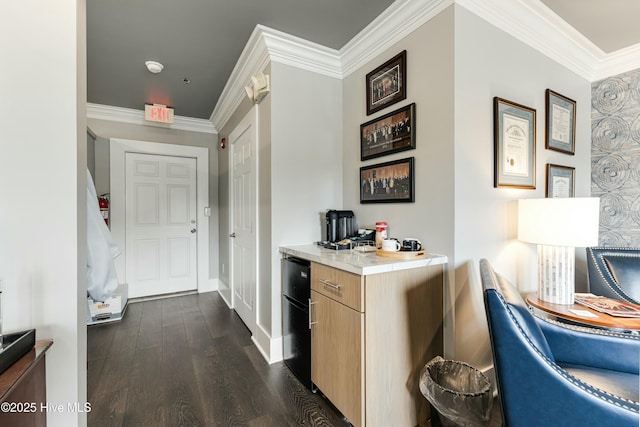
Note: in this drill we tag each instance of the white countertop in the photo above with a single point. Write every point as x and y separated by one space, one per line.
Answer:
362 263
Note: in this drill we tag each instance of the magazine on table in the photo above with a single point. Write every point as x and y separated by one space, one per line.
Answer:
610 306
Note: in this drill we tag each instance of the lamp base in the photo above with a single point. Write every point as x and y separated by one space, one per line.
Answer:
556 274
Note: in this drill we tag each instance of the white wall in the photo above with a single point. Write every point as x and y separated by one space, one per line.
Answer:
306 165
456 64
43 187
491 63
430 84
300 177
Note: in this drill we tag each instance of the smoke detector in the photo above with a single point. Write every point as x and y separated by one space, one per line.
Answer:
154 67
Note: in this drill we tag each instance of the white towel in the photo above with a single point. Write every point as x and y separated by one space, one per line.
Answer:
102 280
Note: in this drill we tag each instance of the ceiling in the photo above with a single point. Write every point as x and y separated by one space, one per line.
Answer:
199 41
611 25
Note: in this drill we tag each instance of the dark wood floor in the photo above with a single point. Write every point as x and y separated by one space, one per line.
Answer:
189 361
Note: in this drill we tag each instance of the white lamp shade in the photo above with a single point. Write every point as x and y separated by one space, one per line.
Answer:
571 221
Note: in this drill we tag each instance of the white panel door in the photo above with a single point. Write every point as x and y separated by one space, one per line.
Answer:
243 227
160 224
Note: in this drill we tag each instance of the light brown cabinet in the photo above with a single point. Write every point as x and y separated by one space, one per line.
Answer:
337 350
371 335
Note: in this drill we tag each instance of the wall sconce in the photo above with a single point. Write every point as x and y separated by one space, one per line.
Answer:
259 89
558 226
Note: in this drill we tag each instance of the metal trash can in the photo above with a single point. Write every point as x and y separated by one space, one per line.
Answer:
460 393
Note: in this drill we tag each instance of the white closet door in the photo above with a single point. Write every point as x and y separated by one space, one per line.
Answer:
244 216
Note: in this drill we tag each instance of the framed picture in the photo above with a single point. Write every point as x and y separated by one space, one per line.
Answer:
387 84
388 182
514 145
560 181
560 131
388 134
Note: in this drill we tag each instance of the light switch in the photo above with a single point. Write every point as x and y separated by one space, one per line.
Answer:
207 211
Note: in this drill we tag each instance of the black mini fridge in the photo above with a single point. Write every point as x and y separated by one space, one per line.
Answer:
296 332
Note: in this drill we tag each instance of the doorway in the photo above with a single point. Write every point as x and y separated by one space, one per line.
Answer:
160 224
244 234
151 255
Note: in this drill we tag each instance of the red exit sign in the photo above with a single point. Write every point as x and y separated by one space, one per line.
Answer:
158 113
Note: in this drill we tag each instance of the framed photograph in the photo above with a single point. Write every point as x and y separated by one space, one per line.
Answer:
514 137
387 84
560 181
560 131
388 134
388 182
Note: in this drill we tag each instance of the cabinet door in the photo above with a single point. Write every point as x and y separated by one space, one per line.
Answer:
337 355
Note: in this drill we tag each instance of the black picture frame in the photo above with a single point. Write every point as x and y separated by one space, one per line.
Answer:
387 84
560 181
514 145
560 129
389 182
392 133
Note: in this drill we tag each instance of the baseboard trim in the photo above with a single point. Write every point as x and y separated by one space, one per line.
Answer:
223 289
161 296
209 286
270 348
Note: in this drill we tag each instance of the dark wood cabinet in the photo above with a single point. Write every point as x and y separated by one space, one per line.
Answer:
23 390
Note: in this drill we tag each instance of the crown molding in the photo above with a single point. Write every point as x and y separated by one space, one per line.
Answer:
618 62
136 117
290 50
267 45
533 23
254 58
391 26
529 21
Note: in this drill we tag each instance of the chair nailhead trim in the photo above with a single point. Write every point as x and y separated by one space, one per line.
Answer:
608 277
600 394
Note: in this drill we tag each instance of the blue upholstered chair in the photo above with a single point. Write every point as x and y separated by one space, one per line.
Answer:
553 374
614 273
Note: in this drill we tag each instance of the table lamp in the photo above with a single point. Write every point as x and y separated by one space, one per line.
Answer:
558 226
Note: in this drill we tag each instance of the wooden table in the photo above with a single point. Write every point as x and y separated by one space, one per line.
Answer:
602 320
23 385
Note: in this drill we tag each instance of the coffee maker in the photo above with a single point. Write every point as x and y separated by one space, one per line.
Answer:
340 225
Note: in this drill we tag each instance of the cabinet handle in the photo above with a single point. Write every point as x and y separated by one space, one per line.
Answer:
331 285
310 322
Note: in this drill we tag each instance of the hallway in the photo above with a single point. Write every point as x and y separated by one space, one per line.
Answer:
190 361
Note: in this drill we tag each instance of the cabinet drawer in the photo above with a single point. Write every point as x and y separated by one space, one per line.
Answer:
338 285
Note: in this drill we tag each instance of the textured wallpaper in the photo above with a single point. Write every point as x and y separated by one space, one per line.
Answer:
615 157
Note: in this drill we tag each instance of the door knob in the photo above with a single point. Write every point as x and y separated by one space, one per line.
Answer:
232 235
193 230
